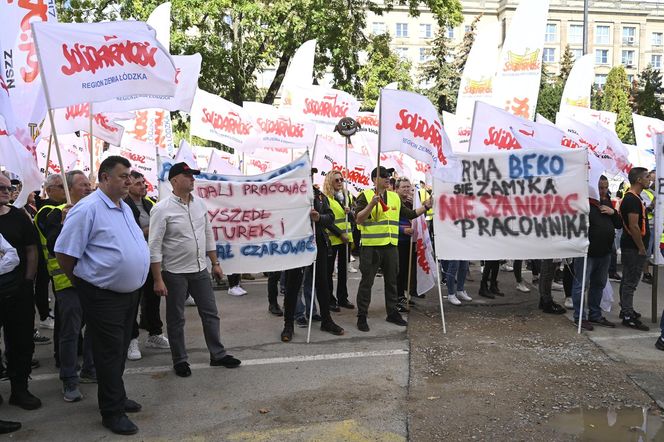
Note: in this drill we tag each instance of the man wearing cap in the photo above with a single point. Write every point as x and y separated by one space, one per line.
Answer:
377 215
180 238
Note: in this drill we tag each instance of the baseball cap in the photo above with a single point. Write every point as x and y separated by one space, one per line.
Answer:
180 168
386 173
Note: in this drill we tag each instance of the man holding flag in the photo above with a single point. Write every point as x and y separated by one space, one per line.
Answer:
377 214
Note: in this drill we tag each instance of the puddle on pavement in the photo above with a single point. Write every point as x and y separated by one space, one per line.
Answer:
610 424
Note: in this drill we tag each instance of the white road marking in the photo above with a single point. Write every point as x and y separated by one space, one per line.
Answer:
249 362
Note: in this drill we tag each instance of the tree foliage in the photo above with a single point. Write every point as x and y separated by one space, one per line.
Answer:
566 64
383 66
615 98
550 94
648 94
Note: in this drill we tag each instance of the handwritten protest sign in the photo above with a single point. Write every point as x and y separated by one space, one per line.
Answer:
524 204
261 223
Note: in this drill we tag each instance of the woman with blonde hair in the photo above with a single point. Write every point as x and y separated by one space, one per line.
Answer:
340 202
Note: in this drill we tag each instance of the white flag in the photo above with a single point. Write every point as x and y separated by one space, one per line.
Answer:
646 129
458 129
579 83
143 158
220 162
185 154
152 126
280 130
92 62
77 117
329 156
20 160
160 20
425 264
589 116
323 106
300 71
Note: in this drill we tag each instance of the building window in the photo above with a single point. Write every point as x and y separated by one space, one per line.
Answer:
656 61
575 35
425 31
402 30
600 80
450 32
601 56
628 59
402 52
378 28
602 35
424 56
551 34
657 38
549 55
629 35
576 53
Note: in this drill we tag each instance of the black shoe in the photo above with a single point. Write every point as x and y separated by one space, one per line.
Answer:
330 327
553 309
9 427
647 278
495 290
287 333
584 325
132 406
34 364
602 322
275 310
316 317
182 369
362 323
395 318
120 424
420 296
302 322
346 304
635 324
25 400
227 361
334 308
484 292
615 277
659 344
634 314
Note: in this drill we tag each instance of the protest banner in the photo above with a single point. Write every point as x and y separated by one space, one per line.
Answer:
77 118
658 147
152 126
425 264
69 158
20 79
523 204
329 156
143 158
323 106
92 62
517 82
260 223
579 83
645 130
278 129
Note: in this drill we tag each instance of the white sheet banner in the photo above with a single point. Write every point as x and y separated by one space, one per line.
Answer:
658 146
645 130
92 62
330 156
187 71
261 223
517 82
579 83
77 118
425 264
523 204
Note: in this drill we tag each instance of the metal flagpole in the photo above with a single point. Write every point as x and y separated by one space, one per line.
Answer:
347 210
583 291
440 290
380 113
90 147
313 292
585 27
410 265
54 132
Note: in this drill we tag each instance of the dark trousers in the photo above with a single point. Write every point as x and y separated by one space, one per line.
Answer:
402 277
42 279
342 274
517 266
490 273
17 321
150 304
547 269
632 271
568 278
371 259
294 284
233 280
70 321
613 266
109 316
273 287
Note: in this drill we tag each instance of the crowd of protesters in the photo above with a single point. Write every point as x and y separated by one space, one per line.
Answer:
113 252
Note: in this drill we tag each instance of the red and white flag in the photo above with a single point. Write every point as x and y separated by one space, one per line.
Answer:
278 129
425 264
330 155
216 119
20 160
185 154
152 126
77 118
143 158
323 106
409 123
222 162
93 62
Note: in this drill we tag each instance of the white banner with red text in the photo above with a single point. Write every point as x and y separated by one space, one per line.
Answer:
77 118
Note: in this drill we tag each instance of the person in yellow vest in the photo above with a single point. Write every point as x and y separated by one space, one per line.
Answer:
377 215
340 203
648 197
68 305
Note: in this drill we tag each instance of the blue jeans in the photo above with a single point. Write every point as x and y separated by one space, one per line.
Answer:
597 273
456 276
70 315
302 309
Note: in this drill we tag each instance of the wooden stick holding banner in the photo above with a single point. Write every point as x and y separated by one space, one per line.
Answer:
90 148
410 266
54 131
313 292
583 291
438 278
48 155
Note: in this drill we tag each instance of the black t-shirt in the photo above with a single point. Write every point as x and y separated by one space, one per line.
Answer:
17 229
632 204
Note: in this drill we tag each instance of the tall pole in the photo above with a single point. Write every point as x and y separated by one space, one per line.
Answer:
585 26
91 147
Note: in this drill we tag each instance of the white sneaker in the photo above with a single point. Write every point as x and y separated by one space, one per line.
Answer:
352 258
351 268
569 303
557 287
506 268
522 287
47 323
236 291
453 300
134 354
189 302
157 341
462 295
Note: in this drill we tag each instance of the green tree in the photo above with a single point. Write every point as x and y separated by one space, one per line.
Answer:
550 94
648 93
615 98
566 64
383 66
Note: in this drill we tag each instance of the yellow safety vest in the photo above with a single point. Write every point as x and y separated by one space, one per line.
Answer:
339 221
60 280
651 195
424 195
383 230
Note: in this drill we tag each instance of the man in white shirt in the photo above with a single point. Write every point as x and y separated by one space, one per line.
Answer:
180 238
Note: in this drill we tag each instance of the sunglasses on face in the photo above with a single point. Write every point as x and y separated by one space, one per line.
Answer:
7 189
338 180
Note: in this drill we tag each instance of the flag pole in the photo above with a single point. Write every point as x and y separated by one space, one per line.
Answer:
347 209
583 291
438 278
54 132
90 147
380 114
48 153
313 292
410 264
